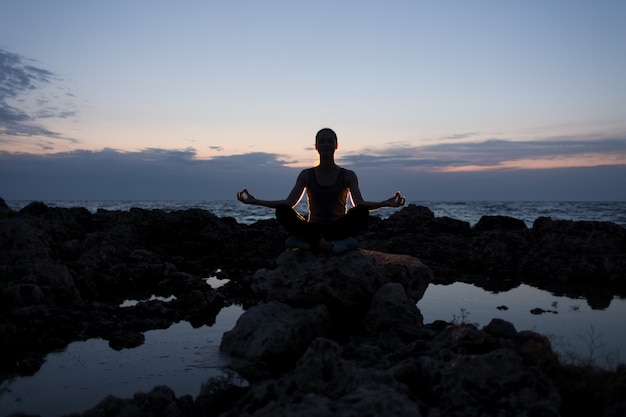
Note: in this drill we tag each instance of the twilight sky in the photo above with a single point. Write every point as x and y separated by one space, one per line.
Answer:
451 100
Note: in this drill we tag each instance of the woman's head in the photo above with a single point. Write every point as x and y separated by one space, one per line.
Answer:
325 136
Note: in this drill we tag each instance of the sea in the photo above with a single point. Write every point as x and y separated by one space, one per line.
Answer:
182 357
469 211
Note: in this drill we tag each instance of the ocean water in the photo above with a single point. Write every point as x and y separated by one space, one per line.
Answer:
182 357
470 211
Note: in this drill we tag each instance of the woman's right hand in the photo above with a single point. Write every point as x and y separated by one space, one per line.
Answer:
397 200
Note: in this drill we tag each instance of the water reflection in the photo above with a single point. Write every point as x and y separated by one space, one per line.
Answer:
76 379
570 322
132 303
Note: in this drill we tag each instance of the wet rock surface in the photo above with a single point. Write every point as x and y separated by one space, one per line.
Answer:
320 335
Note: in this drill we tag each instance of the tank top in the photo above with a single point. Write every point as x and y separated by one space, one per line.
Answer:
326 204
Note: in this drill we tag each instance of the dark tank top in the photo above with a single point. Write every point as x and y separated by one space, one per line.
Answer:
326 204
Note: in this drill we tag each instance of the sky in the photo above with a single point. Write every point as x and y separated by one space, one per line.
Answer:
450 100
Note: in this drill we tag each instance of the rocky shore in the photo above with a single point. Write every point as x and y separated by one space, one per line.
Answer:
321 335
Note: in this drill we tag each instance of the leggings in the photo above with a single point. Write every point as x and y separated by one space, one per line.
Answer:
354 221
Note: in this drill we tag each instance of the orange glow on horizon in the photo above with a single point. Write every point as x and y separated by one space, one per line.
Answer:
563 161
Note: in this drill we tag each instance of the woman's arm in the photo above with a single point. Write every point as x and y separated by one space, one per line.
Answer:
292 199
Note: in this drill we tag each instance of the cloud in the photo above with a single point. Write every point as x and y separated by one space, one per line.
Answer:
252 162
24 86
145 175
18 76
459 136
159 174
394 159
496 154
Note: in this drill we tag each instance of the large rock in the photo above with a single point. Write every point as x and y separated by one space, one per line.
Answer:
302 278
308 296
431 376
578 252
45 283
391 311
275 333
324 384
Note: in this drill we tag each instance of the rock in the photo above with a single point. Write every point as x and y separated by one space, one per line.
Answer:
412 217
322 384
274 333
46 283
497 384
465 339
319 370
5 210
577 252
458 375
119 340
500 328
332 296
303 279
499 247
572 257
160 401
391 311
499 223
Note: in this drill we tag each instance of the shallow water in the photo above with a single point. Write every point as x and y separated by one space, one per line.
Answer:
577 332
80 376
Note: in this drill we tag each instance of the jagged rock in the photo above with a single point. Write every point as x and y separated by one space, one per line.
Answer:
497 383
275 333
5 210
329 379
340 289
577 252
347 286
499 252
499 223
323 384
45 283
302 278
411 217
500 328
391 311
160 401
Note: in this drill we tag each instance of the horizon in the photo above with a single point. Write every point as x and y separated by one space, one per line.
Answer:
446 102
468 211
408 202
